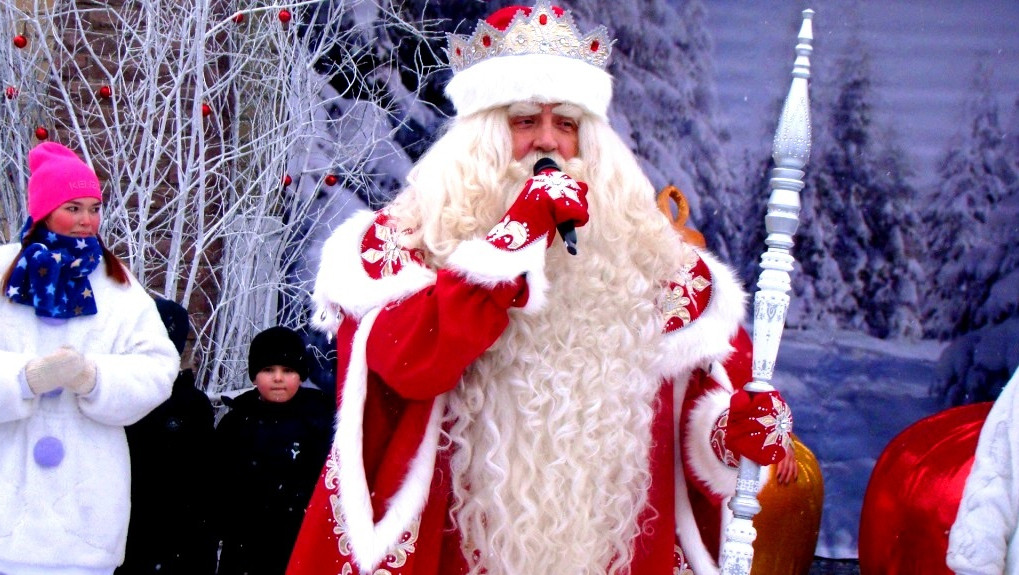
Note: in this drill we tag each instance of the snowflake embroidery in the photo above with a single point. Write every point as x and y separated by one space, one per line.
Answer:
558 185
686 295
676 305
387 249
778 425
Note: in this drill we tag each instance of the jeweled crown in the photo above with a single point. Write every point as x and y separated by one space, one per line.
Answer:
540 32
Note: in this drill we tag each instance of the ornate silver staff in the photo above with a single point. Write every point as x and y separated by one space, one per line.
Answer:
791 150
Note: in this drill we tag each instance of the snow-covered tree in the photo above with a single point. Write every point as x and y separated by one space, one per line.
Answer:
664 103
973 295
970 223
219 139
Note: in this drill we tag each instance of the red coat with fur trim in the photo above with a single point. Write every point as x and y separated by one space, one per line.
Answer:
405 335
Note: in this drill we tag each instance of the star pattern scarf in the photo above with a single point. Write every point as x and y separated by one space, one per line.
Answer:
52 274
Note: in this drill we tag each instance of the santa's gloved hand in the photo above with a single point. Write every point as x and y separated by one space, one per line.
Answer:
547 200
65 368
759 426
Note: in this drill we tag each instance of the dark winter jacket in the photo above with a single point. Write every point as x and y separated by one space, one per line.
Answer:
171 472
271 455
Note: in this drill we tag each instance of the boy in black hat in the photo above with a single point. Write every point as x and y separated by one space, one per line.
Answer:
272 445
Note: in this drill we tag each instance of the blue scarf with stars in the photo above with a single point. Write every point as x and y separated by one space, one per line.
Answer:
52 274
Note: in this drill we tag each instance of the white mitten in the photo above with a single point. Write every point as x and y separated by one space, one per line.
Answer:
65 367
84 381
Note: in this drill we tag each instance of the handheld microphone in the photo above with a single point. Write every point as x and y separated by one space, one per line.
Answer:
566 229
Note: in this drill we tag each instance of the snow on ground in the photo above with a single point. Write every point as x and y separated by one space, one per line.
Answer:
850 395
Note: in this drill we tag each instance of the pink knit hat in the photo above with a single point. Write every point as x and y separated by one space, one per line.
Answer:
57 175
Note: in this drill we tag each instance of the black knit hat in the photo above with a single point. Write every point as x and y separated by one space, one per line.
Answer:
278 346
176 320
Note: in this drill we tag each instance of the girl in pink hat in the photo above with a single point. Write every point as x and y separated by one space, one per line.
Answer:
83 353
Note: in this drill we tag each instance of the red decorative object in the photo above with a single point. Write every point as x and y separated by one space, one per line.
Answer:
238 17
331 180
285 16
105 92
20 41
42 133
206 110
11 92
287 180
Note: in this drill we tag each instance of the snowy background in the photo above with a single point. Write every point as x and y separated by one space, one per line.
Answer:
905 298
929 62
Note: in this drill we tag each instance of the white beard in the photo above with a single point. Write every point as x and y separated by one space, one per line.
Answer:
551 430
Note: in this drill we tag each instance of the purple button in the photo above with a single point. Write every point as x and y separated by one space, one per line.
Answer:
51 393
48 451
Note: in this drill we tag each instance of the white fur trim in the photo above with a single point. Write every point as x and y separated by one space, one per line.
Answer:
343 284
542 78
483 264
370 541
704 464
707 337
689 535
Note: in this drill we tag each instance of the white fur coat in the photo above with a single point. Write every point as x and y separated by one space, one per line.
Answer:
74 514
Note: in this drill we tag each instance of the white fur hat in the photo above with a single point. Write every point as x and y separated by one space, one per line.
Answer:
530 54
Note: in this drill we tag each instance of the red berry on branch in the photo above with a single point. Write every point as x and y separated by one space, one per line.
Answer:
11 92
206 110
239 17
287 180
42 133
20 41
285 16
331 180
105 92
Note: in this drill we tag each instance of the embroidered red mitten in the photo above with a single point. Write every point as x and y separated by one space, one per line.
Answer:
758 426
547 200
